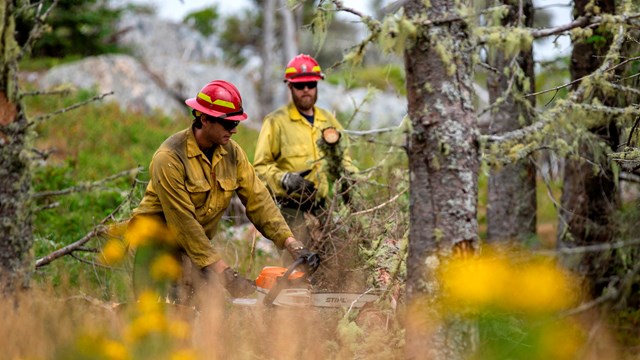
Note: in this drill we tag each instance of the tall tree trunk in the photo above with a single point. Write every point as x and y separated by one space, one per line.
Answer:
268 48
289 31
511 206
443 165
588 199
15 176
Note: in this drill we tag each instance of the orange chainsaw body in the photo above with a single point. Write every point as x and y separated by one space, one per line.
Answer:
269 275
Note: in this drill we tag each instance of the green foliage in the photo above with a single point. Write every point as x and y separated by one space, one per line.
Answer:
204 20
74 27
242 33
383 77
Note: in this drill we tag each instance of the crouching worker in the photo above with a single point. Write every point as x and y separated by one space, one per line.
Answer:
192 178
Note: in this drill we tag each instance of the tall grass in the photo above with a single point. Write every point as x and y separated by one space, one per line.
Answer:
82 308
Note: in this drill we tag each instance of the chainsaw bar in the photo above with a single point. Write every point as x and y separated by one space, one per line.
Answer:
292 298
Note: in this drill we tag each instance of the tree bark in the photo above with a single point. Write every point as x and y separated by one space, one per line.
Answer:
511 206
443 165
15 174
589 200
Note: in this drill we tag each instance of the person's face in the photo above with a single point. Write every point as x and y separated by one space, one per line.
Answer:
218 134
304 94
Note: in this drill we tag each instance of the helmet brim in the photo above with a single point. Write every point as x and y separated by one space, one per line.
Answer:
193 103
304 78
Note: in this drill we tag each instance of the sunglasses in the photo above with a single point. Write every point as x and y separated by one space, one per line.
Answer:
229 124
302 85
226 124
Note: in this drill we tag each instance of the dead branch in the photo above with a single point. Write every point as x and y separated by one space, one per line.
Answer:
591 248
63 92
99 229
574 98
380 206
44 117
87 186
38 28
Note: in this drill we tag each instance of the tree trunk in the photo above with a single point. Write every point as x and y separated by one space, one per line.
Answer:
511 206
289 38
443 165
15 176
268 47
589 200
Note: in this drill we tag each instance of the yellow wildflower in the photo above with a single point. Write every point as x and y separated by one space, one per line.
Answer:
165 267
113 252
145 229
114 350
179 329
184 354
540 287
148 302
477 281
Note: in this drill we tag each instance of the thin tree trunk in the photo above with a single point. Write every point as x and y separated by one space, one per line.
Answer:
511 206
588 199
15 175
443 165
289 38
268 66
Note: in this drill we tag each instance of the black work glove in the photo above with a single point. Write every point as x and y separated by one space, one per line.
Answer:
295 182
236 285
297 250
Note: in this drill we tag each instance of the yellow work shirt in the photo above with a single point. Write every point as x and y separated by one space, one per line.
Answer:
288 142
192 194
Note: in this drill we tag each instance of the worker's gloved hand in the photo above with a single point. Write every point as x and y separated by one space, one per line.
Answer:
297 250
237 285
295 182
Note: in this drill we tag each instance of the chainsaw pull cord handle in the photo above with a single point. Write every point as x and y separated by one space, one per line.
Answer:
280 282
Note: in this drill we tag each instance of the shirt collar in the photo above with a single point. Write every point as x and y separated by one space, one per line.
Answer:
295 114
193 149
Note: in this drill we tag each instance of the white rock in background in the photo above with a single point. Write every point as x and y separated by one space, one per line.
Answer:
134 88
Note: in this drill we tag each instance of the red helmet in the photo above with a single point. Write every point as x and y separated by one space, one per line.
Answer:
303 68
220 99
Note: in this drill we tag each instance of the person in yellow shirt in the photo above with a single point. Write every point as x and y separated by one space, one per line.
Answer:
287 156
192 178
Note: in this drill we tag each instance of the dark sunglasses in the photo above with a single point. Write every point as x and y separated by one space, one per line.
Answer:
229 124
226 124
302 85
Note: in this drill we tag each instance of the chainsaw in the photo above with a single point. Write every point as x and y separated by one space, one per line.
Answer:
289 287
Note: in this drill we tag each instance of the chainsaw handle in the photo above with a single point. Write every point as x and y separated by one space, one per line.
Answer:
280 282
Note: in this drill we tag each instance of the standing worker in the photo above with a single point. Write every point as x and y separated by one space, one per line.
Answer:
194 174
287 157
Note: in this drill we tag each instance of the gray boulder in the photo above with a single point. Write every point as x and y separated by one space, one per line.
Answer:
133 87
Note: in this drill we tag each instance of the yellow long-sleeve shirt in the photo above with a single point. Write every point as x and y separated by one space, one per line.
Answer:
288 142
192 194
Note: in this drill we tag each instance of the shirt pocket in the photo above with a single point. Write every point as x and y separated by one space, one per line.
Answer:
228 187
199 191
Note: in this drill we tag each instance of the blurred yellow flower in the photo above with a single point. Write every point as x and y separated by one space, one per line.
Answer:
149 302
540 287
549 346
494 279
179 329
113 252
144 325
165 267
114 350
184 354
145 229
476 281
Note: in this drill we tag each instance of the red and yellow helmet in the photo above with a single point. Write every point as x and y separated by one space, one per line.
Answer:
303 68
220 99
